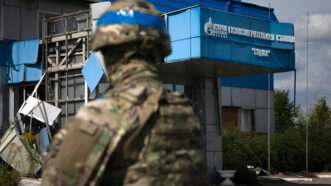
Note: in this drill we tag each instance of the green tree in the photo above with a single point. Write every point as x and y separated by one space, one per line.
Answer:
284 111
320 116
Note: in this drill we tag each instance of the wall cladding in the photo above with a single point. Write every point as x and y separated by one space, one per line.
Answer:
20 19
251 99
29 23
261 125
29 4
246 98
11 23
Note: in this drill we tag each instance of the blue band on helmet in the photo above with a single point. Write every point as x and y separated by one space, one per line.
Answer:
133 18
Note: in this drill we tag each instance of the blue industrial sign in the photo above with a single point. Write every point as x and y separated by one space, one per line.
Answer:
219 36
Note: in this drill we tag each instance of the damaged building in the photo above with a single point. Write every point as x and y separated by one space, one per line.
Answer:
228 76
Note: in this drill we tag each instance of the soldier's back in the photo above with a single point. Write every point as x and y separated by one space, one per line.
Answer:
138 134
175 154
105 144
172 153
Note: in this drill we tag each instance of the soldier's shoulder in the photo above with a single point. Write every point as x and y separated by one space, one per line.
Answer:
98 106
100 111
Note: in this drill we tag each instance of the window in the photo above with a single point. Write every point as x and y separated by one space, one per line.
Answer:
41 17
230 117
247 120
180 88
175 88
168 87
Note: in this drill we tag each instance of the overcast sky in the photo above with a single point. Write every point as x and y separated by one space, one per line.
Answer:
295 11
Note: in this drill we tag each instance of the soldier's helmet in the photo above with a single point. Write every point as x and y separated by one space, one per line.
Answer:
132 21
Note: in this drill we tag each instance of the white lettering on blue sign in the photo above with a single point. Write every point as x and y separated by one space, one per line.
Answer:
261 52
222 31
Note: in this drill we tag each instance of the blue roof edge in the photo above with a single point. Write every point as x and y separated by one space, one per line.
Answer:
160 4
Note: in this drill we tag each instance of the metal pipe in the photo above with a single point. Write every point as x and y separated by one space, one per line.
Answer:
295 90
45 58
45 117
69 76
74 100
218 105
219 114
86 94
56 88
269 122
182 9
56 18
269 114
307 95
87 52
66 47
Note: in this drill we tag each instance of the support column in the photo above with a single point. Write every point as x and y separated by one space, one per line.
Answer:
206 103
2 86
85 56
12 104
57 80
3 100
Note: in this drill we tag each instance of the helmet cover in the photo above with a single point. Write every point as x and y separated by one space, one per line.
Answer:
132 21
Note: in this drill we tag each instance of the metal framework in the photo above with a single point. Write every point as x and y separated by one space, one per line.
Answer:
65 49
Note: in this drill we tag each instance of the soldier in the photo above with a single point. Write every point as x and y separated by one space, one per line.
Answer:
138 134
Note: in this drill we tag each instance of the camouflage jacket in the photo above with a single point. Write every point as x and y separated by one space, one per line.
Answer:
138 135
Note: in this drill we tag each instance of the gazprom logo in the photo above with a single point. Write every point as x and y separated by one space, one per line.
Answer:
216 30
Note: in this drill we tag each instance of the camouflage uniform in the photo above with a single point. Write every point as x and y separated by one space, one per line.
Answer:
138 134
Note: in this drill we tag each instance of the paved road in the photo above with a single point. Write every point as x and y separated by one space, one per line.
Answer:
315 182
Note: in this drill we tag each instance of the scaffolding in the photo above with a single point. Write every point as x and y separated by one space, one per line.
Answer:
65 44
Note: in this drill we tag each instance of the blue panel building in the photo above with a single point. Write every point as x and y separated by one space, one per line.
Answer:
240 42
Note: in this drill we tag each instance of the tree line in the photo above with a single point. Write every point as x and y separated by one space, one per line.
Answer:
287 140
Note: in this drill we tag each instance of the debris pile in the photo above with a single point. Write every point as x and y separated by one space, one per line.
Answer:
27 139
